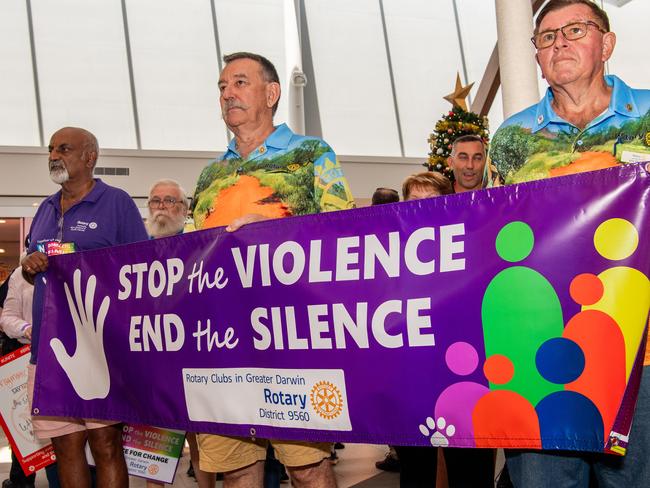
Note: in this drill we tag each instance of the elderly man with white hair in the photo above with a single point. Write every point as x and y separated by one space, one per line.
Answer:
168 204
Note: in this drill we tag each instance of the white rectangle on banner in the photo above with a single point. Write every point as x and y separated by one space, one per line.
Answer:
296 398
149 452
148 465
635 157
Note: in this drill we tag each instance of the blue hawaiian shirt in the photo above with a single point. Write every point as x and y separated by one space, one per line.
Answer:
288 174
537 143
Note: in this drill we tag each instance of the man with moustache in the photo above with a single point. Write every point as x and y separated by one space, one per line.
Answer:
267 172
168 205
85 214
586 121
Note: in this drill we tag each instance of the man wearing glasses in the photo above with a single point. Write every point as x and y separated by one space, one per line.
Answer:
168 205
586 121
167 209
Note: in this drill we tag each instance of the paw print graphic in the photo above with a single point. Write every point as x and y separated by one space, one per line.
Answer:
438 431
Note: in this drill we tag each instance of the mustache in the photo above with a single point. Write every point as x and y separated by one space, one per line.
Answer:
234 104
158 213
55 164
163 215
160 224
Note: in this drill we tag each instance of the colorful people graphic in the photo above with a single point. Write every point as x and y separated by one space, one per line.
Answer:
626 291
566 416
455 404
550 386
520 312
602 343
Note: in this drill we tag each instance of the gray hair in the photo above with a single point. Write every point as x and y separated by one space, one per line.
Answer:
269 73
553 5
174 183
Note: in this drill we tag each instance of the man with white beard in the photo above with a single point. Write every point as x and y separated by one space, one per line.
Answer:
168 206
85 213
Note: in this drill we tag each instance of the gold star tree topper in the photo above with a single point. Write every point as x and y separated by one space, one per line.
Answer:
458 96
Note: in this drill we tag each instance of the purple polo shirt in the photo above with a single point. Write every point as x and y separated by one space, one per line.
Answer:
107 216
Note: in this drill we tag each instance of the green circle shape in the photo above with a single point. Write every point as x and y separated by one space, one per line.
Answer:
515 241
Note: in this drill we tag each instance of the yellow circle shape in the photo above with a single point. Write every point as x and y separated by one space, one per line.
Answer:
616 239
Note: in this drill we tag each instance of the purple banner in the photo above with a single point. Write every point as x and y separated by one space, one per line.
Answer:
509 317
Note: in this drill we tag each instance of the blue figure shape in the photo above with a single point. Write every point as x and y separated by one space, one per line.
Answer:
567 419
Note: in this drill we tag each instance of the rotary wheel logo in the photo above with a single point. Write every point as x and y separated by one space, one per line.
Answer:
153 469
326 400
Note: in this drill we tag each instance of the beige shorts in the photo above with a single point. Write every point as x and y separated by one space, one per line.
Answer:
219 454
48 427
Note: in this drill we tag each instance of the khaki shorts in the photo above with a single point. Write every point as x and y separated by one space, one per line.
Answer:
219 454
48 427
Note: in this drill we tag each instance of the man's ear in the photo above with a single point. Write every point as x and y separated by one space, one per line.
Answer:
91 159
272 93
609 43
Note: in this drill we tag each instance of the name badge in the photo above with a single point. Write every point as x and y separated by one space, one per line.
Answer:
635 157
54 248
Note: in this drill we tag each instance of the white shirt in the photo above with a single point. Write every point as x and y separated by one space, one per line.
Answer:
17 311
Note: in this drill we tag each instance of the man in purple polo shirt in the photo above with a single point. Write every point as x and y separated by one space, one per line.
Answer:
85 214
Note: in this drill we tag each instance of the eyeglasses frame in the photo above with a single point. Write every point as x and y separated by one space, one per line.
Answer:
587 23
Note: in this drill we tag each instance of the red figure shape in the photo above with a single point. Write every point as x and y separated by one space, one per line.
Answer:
504 418
603 379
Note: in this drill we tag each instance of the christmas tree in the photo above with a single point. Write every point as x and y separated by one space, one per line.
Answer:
457 122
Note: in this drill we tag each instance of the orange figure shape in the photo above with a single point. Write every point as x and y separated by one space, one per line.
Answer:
603 379
602 342
504 418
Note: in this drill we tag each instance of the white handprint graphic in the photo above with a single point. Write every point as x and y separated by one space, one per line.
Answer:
87 369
